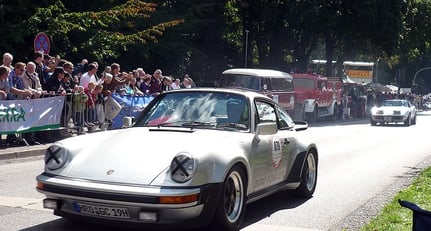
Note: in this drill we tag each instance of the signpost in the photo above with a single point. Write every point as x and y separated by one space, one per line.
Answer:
42 43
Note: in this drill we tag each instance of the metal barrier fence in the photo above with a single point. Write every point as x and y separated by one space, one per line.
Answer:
77 117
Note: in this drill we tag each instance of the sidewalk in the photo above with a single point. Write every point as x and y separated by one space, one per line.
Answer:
21 151
7 153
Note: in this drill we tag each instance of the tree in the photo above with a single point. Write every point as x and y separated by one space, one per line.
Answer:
103 33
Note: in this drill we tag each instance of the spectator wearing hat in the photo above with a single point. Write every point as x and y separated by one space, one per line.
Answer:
53 84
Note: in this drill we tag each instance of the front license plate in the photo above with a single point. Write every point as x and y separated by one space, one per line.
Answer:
387 118
101 210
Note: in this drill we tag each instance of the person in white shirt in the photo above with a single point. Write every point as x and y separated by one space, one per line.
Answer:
89 76
176 84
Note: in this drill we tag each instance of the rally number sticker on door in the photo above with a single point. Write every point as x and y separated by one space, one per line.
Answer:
276 152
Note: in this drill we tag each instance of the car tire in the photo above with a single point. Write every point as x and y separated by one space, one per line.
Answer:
231 207
407 122
414 120
308 177
373 123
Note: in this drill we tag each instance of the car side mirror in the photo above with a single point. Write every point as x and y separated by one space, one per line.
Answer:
300 125
267 128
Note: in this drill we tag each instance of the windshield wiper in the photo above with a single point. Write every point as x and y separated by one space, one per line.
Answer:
232 125
197 124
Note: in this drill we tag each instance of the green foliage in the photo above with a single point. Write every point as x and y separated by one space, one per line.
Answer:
393 216
204 37
97 34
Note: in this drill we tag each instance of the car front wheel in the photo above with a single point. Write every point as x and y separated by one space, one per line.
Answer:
231 208
407 122
309 177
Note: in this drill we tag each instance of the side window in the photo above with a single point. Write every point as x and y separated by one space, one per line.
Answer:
265 112
322 85
281 84
284 120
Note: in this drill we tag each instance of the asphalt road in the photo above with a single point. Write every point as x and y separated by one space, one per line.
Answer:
360 168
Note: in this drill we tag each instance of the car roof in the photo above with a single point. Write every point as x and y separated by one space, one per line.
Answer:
258 72
245 92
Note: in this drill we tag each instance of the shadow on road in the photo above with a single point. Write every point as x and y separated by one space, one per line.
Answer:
265 207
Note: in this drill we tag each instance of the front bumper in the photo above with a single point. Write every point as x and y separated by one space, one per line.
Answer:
142 203
389 118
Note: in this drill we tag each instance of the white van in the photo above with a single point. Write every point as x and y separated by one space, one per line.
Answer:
277 85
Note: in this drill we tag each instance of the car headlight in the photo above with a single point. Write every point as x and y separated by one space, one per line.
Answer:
55 157
183 167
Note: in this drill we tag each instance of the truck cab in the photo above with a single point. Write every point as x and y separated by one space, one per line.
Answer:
316 96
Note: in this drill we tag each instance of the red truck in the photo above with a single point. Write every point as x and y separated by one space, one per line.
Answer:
316 96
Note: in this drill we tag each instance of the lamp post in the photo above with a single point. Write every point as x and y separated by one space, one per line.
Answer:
246 48
377 71
417 72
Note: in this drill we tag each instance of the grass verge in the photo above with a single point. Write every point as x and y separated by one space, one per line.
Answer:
394 216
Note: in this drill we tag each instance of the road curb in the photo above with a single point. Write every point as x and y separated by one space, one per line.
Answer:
22 152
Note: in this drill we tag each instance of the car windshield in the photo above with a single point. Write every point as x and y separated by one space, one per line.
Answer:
394 103
195 109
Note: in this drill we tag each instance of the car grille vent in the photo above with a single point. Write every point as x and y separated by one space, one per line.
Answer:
397 112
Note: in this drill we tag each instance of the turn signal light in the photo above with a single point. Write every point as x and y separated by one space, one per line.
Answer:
178 199
40 185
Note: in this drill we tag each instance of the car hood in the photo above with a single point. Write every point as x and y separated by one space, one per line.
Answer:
136 155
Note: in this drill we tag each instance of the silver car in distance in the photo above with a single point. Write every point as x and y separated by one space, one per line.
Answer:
194 157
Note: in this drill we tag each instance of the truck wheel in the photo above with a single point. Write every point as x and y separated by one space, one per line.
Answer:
312 116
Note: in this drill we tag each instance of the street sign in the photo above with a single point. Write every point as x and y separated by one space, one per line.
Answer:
42 43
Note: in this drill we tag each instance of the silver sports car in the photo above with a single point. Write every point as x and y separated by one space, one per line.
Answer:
194 157
394 111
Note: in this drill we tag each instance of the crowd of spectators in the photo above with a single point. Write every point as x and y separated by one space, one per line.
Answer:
88 90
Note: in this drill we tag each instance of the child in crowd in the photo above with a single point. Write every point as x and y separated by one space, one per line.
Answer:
89 112
79 101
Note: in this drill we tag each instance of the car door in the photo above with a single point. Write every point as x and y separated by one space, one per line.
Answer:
270 151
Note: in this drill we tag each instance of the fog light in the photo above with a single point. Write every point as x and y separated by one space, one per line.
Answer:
148 216
50 204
